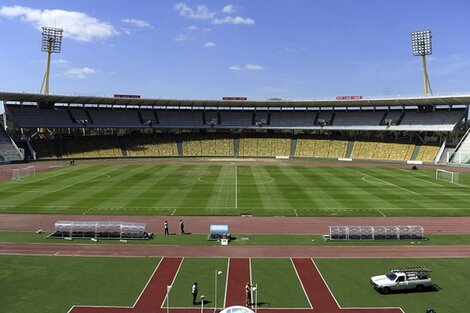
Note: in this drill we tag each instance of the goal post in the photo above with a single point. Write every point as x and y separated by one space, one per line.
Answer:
18 173
452 177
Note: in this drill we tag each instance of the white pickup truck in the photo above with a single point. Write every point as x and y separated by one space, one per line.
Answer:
416 278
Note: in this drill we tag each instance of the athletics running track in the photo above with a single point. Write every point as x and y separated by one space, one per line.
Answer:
152 298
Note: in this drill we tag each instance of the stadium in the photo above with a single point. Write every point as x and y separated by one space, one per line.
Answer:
120 203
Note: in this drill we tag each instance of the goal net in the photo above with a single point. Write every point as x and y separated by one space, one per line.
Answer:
452 177
18 173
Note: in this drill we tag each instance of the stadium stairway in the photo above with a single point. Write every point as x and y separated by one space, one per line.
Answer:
415 152
122 143
349 149
236 146
179 147
293 145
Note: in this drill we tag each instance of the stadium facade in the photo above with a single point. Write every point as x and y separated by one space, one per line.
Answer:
429 129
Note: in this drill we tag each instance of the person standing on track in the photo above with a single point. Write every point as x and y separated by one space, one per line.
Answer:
165 225
182 227
194 291
248 294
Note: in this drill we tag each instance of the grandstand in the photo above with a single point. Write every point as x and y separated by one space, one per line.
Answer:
8 150
399 129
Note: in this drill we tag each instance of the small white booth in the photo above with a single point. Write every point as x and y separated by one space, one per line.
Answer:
219 232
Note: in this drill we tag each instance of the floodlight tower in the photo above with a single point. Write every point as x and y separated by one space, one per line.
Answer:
421 45
51 43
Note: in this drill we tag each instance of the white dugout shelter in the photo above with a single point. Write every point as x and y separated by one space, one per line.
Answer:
101 230
400 232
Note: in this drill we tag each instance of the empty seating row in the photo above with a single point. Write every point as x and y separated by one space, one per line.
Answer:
382 151
264 147
317 148
62 117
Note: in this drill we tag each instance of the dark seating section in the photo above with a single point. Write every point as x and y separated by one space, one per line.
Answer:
29 116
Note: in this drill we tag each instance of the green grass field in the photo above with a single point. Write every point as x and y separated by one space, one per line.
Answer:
202 271
243 240
232 190
286 292
53 284
349 282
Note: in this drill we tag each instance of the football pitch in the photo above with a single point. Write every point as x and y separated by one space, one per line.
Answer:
207 189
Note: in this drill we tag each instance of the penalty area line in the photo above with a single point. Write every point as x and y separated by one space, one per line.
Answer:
389 183
381 213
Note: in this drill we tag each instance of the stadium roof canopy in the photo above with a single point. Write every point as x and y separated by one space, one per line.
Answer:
413 101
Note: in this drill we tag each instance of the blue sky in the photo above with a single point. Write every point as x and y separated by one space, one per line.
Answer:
207 49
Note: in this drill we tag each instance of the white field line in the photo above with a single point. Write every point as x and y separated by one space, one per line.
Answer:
428 181
130 208
172 282
76 183
226 283
381 213
88 210
389 183
251 282
116 306
339 306
301 283
236 187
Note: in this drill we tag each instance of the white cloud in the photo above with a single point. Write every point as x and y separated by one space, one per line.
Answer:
254 67
234 20
235 68
181 38
77 25
246 67
59 62
201 12
137 22
83 72
209 44
229 9
192 28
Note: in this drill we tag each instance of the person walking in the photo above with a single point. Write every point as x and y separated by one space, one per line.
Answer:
165 225
194 291
182 227
248 294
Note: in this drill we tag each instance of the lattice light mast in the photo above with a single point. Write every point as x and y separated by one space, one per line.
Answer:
422 46
51 43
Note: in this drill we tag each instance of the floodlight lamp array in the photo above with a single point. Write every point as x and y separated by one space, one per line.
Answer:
421 42
51 39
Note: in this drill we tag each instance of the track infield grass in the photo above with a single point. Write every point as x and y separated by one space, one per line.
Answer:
242 240
202 271
278 284
349 282
53 284
233 190
34 283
